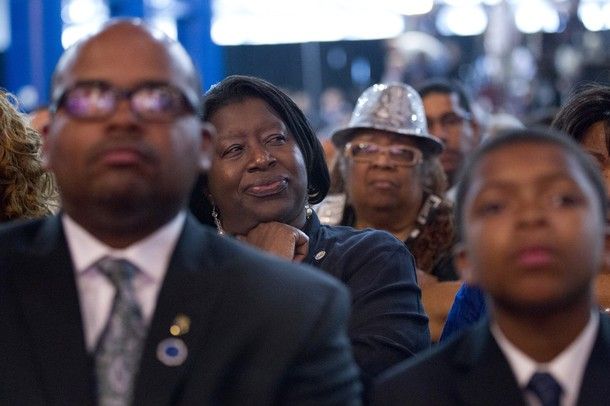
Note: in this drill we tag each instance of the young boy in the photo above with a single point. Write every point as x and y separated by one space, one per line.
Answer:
530 212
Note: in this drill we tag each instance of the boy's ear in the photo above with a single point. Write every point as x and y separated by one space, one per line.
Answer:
463 264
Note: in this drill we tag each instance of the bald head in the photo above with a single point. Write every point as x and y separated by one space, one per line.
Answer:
125 139
113 47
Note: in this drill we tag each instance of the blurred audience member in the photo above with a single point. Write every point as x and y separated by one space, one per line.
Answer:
530 211
451 118
267 167
27 190
585 117
389 171
334 113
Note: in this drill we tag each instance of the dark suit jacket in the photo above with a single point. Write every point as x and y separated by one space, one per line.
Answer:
472 370
262 331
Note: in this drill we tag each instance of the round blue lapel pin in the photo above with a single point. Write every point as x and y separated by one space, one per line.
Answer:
172 352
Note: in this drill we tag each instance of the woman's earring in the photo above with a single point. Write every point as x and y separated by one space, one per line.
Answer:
217 220
308 210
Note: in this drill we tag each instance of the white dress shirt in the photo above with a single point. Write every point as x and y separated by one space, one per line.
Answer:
96 293
567 368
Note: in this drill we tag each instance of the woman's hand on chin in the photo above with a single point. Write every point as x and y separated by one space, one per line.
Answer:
280 239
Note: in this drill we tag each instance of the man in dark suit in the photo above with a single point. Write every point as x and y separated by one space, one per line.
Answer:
123 298
530 212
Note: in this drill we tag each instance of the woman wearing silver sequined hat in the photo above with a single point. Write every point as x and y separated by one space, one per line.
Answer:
267 167
391 176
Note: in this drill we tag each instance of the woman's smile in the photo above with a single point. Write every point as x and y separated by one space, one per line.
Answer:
268 187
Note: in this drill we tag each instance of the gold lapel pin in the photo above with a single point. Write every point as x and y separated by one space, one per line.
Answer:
181 325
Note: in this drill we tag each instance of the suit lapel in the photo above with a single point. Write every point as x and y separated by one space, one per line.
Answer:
190 289
484 376
594 388
48 295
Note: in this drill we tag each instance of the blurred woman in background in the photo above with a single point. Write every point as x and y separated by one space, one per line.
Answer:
389 171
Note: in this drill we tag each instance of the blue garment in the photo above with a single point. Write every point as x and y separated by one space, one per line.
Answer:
468 308
388 323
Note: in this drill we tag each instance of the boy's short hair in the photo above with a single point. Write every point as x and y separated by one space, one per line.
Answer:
518 136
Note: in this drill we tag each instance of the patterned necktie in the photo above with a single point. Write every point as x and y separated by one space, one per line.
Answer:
546 388
120 345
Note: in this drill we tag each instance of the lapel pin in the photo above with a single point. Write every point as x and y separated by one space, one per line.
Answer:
172 352
181 325
320 255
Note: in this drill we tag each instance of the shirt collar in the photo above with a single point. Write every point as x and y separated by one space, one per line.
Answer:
151 254
567 367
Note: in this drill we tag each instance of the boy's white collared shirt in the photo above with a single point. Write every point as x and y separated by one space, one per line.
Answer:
567 368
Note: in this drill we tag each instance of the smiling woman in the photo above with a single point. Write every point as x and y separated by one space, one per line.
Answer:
258 172
267 168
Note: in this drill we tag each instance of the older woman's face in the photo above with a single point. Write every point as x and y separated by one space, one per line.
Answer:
382 183
595 142
258 173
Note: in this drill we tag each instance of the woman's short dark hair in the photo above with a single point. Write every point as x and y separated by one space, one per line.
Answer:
585 107
540 135
237 88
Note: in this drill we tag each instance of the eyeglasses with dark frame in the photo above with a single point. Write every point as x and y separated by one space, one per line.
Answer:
369 152
149 101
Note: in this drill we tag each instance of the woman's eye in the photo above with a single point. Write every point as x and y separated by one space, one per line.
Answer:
232 151
277 139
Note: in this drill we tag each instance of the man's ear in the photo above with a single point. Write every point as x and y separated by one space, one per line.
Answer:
208 132
463 264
